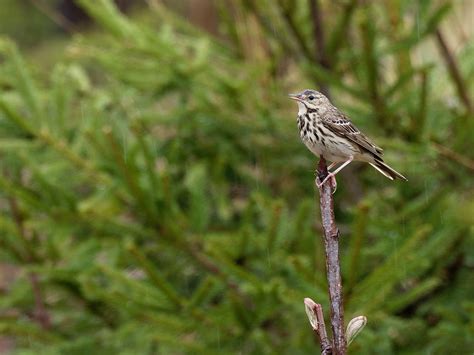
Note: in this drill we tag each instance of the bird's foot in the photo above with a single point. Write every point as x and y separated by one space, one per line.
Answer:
332 178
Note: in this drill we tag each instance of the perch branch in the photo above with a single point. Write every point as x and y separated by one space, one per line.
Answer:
333 270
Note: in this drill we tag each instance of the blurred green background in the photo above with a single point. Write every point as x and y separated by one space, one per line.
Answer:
155 197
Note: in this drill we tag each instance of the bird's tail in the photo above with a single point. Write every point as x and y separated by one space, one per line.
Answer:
387 170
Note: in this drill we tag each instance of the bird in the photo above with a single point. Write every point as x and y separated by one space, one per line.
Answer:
330 134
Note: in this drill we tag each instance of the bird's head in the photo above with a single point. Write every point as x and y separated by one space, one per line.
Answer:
309 99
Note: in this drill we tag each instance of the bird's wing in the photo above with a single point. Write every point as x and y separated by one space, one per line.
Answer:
338 123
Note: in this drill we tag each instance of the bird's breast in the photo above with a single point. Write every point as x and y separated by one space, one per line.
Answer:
309 134
322 142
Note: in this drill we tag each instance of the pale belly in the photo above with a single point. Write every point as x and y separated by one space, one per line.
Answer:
331 151
322 142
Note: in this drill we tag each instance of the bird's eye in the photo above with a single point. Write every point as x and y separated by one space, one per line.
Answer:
311 97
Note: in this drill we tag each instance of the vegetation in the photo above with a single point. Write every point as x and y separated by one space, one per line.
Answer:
155 197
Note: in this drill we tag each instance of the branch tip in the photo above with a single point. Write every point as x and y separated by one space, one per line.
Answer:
310 308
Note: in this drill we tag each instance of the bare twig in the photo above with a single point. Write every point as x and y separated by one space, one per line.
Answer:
454 71
316 318
331 245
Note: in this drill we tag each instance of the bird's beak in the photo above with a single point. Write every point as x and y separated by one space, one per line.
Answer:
296 97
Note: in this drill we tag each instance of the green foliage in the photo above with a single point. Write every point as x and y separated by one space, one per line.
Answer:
13 21
157 187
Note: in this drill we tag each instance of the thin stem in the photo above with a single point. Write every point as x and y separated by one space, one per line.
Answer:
316 318
325 344
333 270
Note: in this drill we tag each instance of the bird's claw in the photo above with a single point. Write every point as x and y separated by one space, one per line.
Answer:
332 179
333 184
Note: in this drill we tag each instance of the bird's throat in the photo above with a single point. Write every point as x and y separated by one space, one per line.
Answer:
301 108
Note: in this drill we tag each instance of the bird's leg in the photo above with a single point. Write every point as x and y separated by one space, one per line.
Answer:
332 175
343 166
333 182
332 165
333 179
